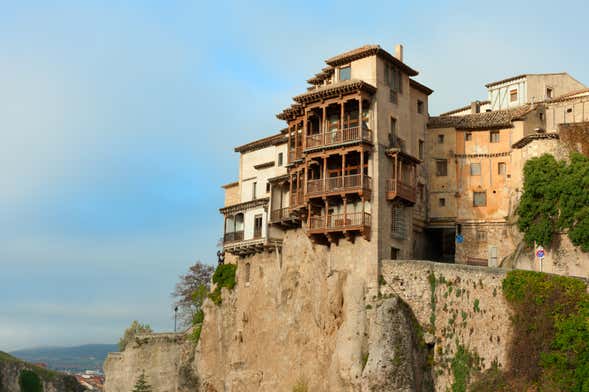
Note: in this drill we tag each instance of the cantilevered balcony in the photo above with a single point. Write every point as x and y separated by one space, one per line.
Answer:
233 237
351 221
397 189
355 183
338 137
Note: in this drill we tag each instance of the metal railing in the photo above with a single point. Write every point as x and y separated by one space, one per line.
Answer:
233 237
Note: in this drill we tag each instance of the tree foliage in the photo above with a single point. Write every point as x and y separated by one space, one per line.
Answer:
555 197
224 276
191 290
135 328
141 385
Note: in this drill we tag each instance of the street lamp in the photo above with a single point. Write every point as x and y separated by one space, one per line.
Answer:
175 317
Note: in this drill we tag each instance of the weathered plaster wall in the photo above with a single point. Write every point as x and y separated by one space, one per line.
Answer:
162 356
455 303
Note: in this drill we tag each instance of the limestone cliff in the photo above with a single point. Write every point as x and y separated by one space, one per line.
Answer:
13 370
310 318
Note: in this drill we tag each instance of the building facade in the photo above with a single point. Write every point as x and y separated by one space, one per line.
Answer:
360 160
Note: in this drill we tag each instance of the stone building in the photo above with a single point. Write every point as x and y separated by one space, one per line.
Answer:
361 161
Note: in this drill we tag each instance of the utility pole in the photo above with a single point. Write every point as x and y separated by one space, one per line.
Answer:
175 317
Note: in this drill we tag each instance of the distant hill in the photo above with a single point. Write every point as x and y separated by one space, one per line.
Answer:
89 356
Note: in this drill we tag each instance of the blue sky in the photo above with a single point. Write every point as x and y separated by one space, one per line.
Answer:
118 121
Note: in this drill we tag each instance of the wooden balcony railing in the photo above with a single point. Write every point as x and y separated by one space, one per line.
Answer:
297 198
338 184
280 214
233 237
399 189
295 154
337 222
338 136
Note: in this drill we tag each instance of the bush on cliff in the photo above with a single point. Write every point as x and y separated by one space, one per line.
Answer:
550 346
555 197
224 276
29 381
134 329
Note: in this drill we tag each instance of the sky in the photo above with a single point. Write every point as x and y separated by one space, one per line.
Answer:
118 121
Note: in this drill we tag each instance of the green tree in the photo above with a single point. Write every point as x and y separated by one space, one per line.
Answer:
188 291
29 381
141 385
135 328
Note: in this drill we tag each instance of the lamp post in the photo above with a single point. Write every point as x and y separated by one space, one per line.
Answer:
175 317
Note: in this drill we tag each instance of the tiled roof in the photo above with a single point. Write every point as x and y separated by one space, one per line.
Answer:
290 112
448 113
486 120
365 51
332 90
421 87
321 76
230 185
571 95
261 143
536 136
246 205
519 77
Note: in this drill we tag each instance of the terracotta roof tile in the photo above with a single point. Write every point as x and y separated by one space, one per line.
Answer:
262 143
519 77
332 90
486 120
421 87
463 108
366 51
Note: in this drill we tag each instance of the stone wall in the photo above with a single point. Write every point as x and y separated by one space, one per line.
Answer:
160 355
456 304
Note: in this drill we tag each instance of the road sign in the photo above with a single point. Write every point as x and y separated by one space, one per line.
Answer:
459 238
540 252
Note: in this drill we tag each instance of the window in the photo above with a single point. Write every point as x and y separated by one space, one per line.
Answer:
479 199
247 272
419 106
394 78
267 187
475 169
512 95
481 235
494 137
280 159
398 222
442 202
440 139
549 92
395 253
441 167
345 73
254 185
393 133
468 136
501 168
258 226
421 149
392 95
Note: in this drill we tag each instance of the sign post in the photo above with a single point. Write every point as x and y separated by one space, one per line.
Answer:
540 255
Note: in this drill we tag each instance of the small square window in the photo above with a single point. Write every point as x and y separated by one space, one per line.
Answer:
512 95
421 148
280 159
419 106
440 139
502 168
468 136
494 137
549 92
475 169
479 199
345 73
442 202
441 167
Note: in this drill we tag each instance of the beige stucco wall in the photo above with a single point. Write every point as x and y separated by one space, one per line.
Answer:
232 194
441 186
570 111
560 84
249 174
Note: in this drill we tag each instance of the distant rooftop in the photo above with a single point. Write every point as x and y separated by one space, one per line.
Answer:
520 77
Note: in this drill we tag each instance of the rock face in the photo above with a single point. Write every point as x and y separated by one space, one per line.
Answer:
11 369
310 319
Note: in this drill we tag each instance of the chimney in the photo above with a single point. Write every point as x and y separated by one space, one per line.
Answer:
399 52
475 107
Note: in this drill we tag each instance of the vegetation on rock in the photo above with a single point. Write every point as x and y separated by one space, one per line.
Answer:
224 276
188 289
134 329
29 381
555 198
550 346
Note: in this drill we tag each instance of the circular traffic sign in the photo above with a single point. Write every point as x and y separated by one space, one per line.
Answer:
540 253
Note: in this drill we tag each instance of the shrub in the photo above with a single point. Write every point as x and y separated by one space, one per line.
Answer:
135 328
29 381
224 276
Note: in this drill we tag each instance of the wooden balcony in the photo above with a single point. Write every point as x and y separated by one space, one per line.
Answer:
339 185
233 237
295 154
351 221
337 137
297 199
284 216
397 189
